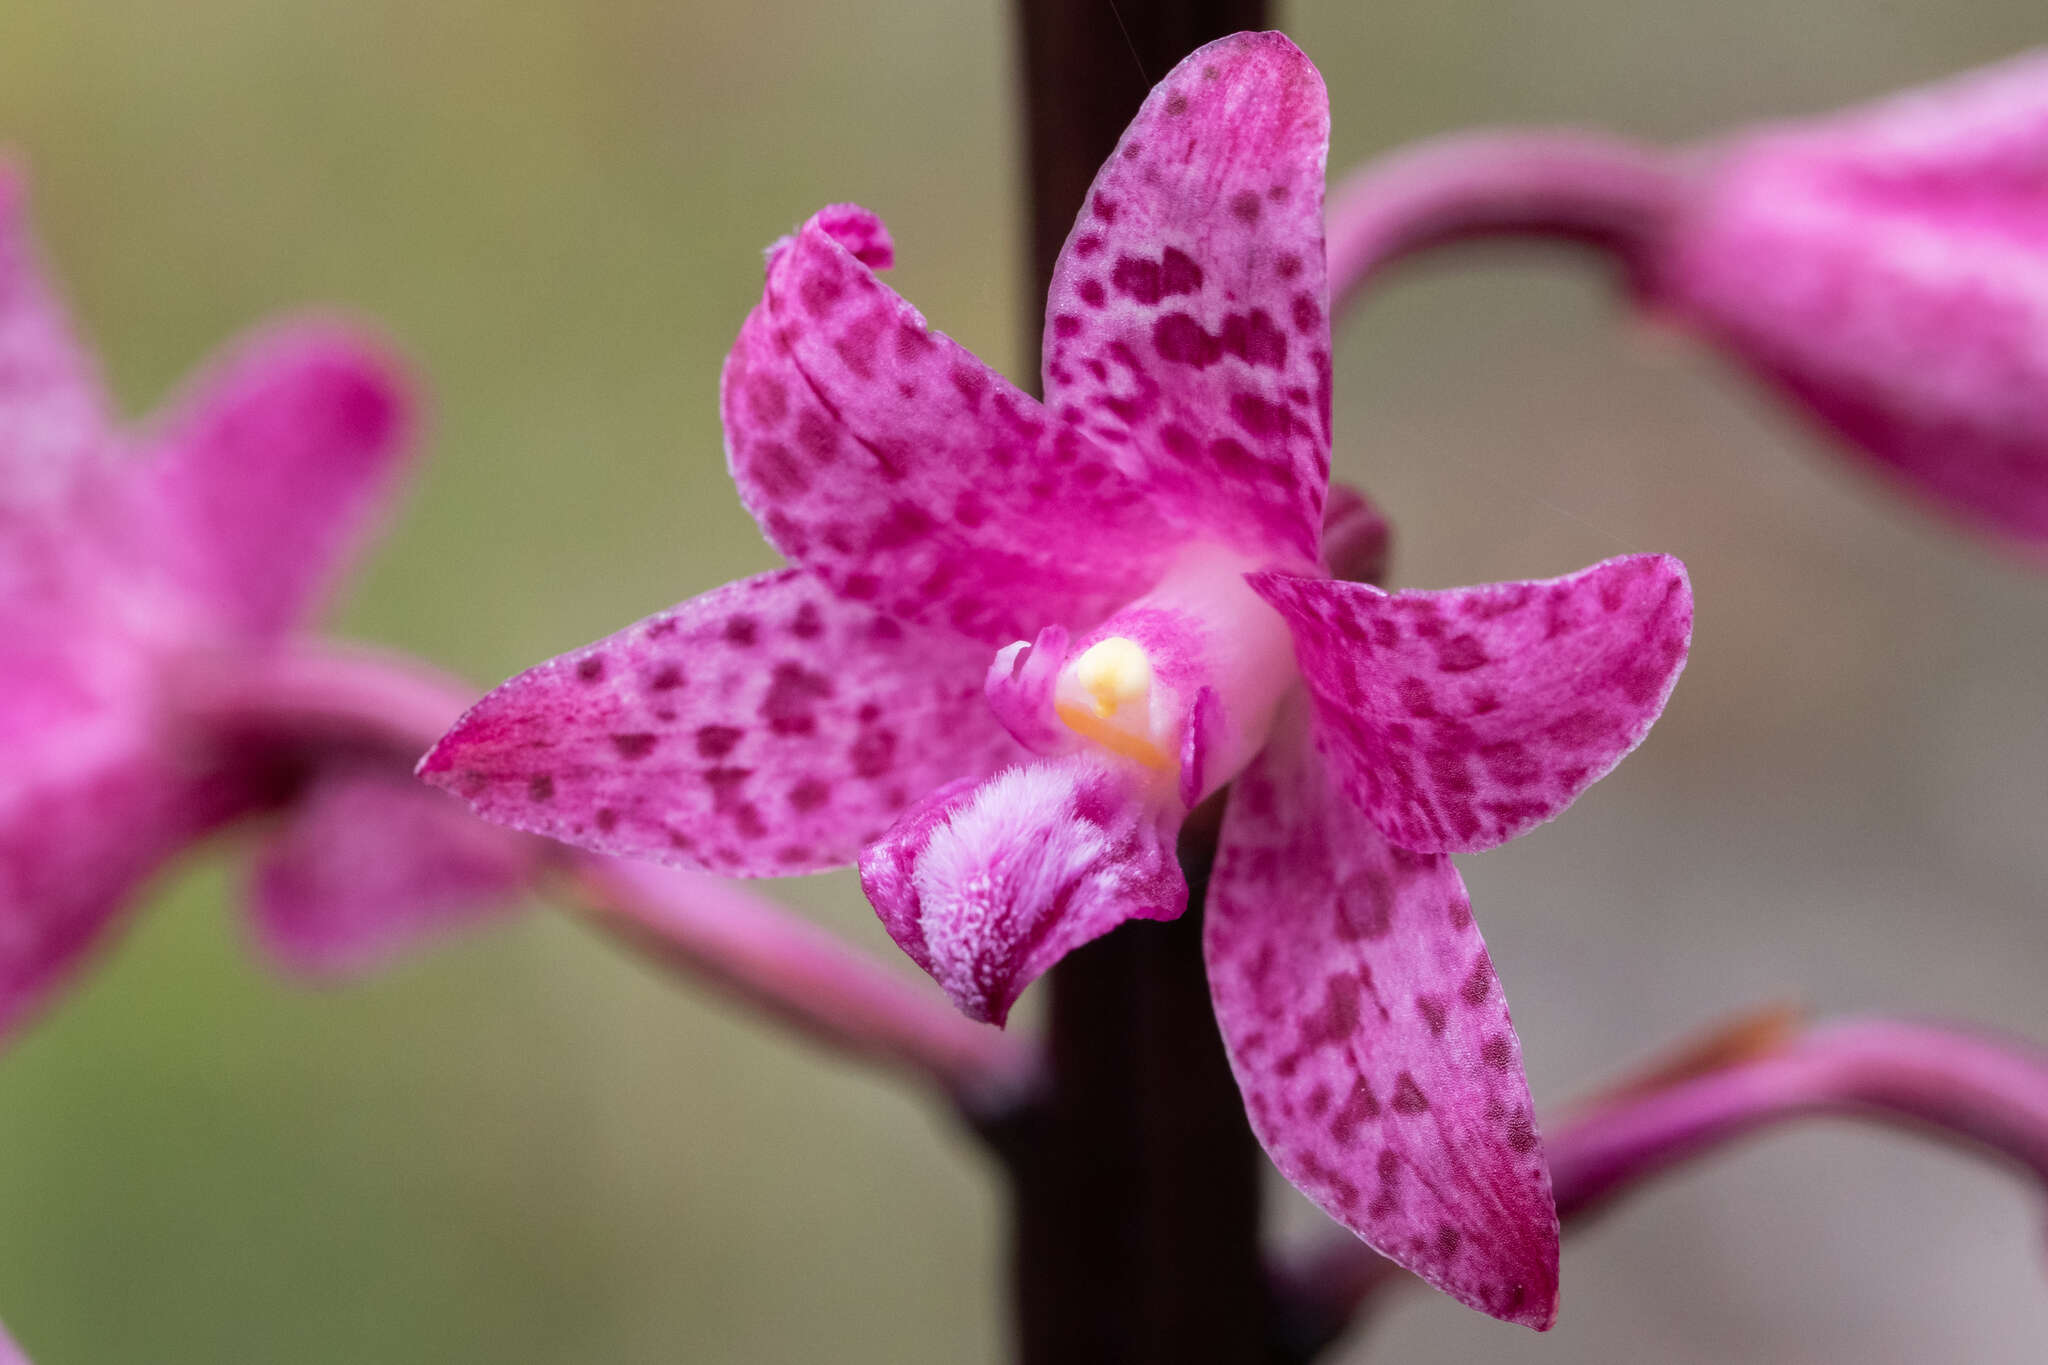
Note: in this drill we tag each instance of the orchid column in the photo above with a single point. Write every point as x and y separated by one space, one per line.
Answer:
1136 1203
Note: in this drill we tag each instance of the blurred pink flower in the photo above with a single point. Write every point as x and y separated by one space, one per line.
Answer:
1885 268
1141 551
138 571
1888 268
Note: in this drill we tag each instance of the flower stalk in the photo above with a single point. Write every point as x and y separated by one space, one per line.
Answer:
325 697
1113 1260
1563 184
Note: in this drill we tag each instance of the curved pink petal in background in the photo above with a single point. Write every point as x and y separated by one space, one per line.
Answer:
883 456
1459 719
1372 1040
986 887
273 470
72 856
1885 267
766 728
368 863
53 415
1187 327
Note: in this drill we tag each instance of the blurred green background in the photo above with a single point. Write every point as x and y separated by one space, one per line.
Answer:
528 1148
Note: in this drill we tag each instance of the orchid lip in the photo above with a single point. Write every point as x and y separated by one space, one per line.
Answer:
1182 681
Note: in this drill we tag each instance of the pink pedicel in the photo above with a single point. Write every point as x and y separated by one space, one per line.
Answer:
135 565
1019 640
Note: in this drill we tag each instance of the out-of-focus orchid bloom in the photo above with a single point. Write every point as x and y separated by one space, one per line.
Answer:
137 570
10 1354
1884 268
1141 554
1888 267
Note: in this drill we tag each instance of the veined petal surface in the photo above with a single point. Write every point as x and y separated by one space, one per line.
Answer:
1371 1038
1187 328
987 886
766 728
882 455
1459 719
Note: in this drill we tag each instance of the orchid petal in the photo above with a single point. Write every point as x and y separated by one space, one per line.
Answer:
1187 325
73 852
53 415
1372 1041
890 461
1357 540
1460 719
367 865
986 887
274 470
766 728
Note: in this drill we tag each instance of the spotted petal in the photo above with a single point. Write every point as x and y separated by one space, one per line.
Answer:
367 865
1187 327
1459 719
273 471
987 886
885 457
768 727
1372 1041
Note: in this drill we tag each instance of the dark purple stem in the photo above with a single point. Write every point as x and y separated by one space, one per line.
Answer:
1559 184
1952 1085
302 705
1136 1185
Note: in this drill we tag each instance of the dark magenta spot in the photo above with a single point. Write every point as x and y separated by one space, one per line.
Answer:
716 741
1139 279
1180 340
807 625
634 746
1092 293
1498 1053
1245 206
1447 1239
1478 984
1307 316
540 787
607 819
666 679
1461 654
1408 1096
1066 325
809 794
1361 1106
590 669
1087 244
1105 208
792 693
1433 1014
1176 104
767 400
874 753
740 630
1178 273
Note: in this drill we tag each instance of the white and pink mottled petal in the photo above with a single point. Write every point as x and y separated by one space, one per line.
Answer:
768 727
886 458
368 865
1371 1038
1459 719
1187 327
987 886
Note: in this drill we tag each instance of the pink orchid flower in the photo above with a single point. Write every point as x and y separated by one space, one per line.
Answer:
1140 554
138 571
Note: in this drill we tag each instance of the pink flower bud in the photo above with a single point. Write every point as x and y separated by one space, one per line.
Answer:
1888 268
